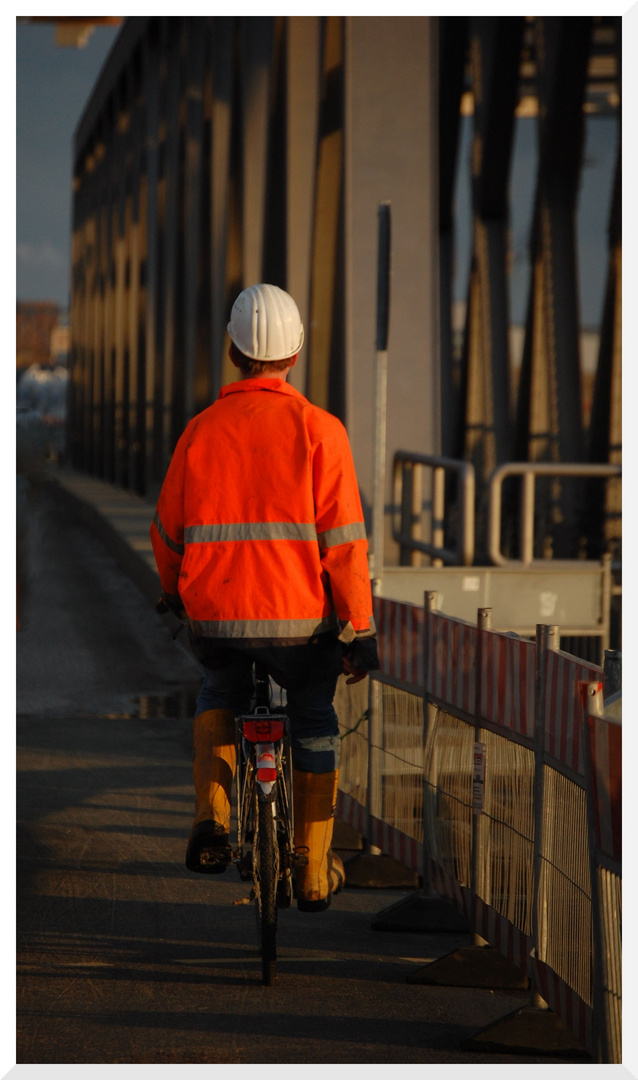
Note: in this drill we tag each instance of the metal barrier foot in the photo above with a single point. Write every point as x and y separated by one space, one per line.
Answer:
528 1031
345 838
476 966
421 913
366 871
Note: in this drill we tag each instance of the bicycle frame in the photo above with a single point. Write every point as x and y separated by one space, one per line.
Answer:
265 817
264 773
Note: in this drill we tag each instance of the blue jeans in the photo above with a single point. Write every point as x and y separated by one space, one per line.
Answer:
309 675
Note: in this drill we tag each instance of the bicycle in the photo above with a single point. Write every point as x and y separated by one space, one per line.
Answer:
265 816
265 850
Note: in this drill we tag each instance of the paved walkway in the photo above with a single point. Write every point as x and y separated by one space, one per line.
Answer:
145 962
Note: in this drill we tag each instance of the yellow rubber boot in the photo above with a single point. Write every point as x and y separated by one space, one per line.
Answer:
315 796
214 762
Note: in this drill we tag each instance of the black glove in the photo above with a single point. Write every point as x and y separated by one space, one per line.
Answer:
170 603
363 654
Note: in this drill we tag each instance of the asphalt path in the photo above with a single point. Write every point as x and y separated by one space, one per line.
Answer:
123 955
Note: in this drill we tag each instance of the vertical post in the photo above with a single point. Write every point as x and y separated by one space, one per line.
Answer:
407 482
430 601
484 622
381 391
375 734
606 600
466 537
612 672
547 637
417 505
438 511
592 706
527 517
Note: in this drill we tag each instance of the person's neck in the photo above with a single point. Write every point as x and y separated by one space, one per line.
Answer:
265 375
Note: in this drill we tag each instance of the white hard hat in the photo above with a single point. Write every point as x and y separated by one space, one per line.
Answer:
265 323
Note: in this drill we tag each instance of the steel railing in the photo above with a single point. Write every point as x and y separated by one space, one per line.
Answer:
408 496
408 505
529 470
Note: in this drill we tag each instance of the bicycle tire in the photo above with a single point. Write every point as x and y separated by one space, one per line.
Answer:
266 872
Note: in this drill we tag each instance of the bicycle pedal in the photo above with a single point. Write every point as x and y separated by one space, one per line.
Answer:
218 857
245 866
284 891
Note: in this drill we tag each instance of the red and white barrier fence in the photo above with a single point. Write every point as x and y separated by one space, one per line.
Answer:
522 699
563 726
400 635
451 648
603 763
508 682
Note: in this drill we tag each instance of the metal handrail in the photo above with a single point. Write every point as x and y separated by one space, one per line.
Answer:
408 498
529 470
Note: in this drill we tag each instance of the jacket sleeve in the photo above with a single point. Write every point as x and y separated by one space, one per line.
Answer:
341 530
167 528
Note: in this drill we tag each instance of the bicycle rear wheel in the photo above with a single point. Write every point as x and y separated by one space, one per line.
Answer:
266 874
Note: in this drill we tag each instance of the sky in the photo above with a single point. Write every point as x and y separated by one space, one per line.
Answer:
53 84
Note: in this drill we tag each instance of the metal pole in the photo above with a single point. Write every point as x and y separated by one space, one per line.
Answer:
375 734
527 518
438 511
484 622
592 706
430 601
547 637
612 672
381 385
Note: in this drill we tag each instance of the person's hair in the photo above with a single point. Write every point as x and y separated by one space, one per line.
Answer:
248 366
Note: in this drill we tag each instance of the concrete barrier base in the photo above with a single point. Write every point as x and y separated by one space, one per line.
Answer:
528 1031
379 871
345 838
476 966
421 913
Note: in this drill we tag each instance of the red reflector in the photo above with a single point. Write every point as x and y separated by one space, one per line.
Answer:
266 774
263 730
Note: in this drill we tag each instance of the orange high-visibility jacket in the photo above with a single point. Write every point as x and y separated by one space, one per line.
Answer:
259 528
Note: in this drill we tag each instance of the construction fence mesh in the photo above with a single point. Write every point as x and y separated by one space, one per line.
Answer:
520 861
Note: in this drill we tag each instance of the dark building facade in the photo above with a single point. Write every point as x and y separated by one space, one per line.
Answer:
220 151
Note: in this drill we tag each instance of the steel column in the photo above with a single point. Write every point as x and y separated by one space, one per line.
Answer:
324 339
555 427
302 96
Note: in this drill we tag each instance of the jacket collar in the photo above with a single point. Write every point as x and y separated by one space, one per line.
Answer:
277 386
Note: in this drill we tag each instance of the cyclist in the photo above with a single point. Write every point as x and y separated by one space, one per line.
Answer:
260 543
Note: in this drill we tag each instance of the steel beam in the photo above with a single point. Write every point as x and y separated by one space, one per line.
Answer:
604 524
324 341
172 340
136 300
555 424
453 44
495 57
225 273
302 97
257 44
195 390
154 79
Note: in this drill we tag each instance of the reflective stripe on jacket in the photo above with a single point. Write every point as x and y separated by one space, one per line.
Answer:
259 528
